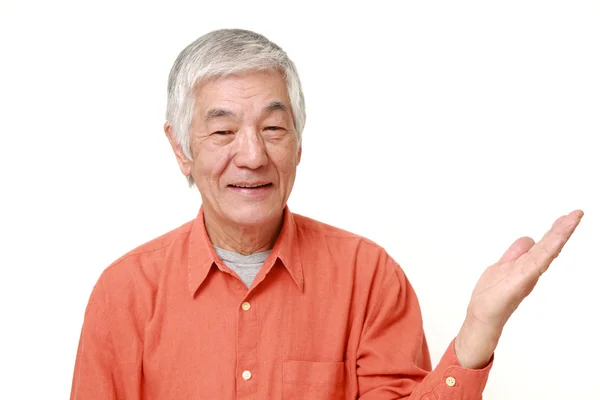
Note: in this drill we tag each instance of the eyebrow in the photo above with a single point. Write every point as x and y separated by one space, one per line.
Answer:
222 112
275 105
217 112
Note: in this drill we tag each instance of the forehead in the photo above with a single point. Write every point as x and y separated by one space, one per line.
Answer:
242 92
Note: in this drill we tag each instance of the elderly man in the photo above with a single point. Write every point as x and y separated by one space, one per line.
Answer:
251 301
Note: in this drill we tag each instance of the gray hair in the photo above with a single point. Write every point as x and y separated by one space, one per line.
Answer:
217 54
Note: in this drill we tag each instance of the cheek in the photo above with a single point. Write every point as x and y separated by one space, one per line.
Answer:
211 163
286 162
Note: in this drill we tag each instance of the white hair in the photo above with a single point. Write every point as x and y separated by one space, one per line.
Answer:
217 54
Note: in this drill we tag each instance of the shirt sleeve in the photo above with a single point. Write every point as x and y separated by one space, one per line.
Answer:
93 376
393 360
103 369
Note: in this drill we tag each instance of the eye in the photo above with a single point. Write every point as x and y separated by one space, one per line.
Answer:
222 132
273 128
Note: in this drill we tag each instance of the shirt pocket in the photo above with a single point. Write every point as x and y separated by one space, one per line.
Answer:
313 380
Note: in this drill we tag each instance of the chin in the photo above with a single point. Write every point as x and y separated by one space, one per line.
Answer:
254 215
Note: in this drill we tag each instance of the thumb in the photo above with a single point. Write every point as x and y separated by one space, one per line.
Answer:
517 249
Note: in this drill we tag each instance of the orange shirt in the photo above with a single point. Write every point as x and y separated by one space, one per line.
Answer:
330 315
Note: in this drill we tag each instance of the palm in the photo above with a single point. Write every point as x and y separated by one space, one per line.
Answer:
504 285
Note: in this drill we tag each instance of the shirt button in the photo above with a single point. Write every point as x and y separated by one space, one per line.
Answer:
245 306
450 381
246 375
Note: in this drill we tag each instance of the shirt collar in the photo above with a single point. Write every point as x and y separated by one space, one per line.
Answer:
202 255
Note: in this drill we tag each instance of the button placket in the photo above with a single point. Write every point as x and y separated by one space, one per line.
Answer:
247 342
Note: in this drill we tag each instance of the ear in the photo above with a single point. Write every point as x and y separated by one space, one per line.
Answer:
185 165
299 155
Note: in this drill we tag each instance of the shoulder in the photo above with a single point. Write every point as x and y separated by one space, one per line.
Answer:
143 265
353 262
344 248
309 226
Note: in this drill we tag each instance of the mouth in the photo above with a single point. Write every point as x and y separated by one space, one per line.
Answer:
250 186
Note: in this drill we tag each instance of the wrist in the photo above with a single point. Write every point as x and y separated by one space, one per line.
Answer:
475 344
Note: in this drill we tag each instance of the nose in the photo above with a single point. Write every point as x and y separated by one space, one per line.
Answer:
250 150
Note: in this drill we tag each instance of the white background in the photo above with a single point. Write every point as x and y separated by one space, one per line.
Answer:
441 130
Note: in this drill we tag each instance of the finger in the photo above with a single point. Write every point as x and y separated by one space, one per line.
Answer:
517 249
539 257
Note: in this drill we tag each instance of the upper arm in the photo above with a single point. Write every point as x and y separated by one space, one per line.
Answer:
93 375
108 364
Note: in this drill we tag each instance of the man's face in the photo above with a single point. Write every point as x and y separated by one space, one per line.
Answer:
244 147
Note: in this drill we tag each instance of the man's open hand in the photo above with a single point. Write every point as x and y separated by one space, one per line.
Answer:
503 286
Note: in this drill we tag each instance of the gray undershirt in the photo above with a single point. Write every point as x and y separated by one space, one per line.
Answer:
245 266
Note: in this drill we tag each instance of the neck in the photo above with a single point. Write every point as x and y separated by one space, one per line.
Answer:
244 240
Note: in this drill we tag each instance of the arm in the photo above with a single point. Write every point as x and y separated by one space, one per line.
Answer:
93 376
393 359
102 367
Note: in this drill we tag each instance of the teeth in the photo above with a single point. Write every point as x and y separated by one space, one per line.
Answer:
249 186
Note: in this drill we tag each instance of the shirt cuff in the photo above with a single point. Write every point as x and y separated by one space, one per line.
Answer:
459 383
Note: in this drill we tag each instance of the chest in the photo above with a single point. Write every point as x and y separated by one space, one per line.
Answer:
274 341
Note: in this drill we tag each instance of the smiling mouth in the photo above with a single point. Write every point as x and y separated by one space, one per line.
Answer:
257 186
